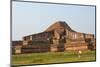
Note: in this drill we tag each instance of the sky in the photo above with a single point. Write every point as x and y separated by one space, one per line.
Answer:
30 18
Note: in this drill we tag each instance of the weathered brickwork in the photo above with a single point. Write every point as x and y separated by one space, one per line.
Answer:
58 37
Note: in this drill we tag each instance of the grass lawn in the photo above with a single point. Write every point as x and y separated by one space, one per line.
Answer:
52 57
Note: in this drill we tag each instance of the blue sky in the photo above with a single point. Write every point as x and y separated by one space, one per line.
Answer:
29 18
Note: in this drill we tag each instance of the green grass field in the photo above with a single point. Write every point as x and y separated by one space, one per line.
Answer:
52 57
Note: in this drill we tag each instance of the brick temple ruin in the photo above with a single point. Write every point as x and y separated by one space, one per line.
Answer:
58 37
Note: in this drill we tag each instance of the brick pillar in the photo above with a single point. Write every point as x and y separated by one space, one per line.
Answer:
55 41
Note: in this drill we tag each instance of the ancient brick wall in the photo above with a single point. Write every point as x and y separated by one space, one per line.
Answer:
76 46
35 48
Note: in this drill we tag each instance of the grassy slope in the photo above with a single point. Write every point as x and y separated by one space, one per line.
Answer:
52 57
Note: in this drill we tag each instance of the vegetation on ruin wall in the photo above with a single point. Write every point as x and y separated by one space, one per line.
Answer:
52 57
